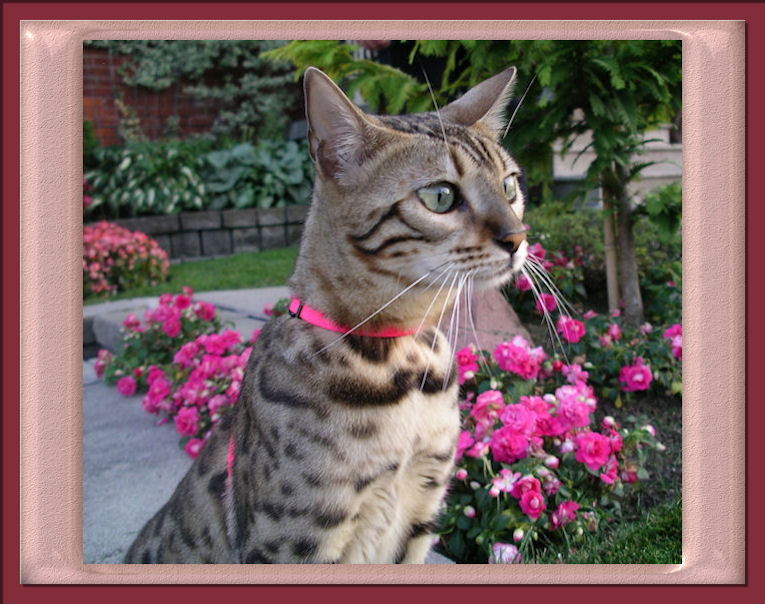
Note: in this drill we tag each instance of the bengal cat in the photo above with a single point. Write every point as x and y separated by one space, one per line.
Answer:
342 442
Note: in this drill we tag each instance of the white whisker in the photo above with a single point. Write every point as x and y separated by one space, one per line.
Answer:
512 117
435 335
538 269
433 96
545 315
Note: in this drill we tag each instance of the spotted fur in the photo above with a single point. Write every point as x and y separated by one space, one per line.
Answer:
345 445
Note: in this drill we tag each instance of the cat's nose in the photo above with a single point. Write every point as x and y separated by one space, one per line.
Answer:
511 241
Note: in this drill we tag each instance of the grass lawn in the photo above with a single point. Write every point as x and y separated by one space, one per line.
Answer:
240 271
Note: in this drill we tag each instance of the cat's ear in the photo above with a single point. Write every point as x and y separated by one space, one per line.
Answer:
335 125
484 103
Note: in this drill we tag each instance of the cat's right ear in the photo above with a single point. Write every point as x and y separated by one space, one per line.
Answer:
335 125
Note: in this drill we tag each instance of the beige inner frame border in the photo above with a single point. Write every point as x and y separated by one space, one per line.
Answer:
713 301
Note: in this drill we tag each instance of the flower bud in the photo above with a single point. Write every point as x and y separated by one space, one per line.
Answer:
650 429
469 511
469 375
474 485
543 472
494 491
551 461
461 474
567 446
494 384
609 422
661 448
518 535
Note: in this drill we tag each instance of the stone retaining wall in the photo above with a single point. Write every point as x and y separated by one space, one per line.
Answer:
214 233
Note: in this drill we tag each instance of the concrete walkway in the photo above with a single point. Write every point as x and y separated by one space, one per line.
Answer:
130 464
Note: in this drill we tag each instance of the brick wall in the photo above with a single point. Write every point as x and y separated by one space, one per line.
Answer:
213 233
100 84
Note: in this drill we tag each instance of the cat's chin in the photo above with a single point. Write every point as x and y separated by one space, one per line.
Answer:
495 280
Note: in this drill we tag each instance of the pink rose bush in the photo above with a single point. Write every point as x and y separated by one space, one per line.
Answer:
531 459
114 259
188 366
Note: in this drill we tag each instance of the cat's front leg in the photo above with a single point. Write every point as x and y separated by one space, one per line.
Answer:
417 548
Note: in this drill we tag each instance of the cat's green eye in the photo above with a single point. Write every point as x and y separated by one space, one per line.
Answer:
511 187
438 198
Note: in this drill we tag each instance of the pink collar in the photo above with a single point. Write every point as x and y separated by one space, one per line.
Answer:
313 316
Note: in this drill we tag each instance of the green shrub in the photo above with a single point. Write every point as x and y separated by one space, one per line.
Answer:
144 178
270 174
89 145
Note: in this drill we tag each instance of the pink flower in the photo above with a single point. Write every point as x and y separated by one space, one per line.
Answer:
255 334
537 251
104 358
186 354
519 418
548 425
466 363
465 441
479 449
565 514
193 447
131 322
522 283
574 373
546 303
505 481
171 326
155 373
516 356
677 347
590 314
571 329
213 343
614 331
671 284
204 311
646 328
231 338
469 511
187 290
488 407
182 301
126 386
268 310
187 421
629 473
635 377
166 299
609 475
461 474
508 445
574 406
504 553
522 485
592 449
532 504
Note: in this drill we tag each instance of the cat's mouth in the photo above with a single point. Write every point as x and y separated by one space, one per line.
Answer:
497 272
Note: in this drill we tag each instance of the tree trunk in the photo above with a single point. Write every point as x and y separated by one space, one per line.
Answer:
633 301
612 257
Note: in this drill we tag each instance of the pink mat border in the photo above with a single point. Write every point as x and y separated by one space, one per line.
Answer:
51 387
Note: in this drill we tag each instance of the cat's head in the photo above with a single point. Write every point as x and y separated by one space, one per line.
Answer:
401 197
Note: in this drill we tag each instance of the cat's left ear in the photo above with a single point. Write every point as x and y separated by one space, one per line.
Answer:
336 127
484 103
